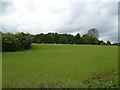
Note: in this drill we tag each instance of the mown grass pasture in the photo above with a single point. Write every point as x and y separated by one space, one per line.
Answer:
57 65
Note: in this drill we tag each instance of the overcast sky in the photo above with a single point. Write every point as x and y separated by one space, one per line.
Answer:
62 16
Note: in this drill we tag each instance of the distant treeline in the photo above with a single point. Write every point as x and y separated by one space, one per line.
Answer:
20 41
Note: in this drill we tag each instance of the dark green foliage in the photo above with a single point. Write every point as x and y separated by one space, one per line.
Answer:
56 37
53 38
14 42
100 42
76 38
10 42
39 38
103 43
48 38
93 33
117 44
79 41
90 38
86 39
108 43
63 40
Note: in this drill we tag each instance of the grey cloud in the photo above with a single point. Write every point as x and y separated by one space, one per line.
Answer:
104 19
76 17
6 7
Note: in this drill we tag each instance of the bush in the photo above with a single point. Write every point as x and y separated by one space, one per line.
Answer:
25 40
14 42
10 42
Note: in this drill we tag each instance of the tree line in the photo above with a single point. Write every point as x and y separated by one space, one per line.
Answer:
91 37
20 41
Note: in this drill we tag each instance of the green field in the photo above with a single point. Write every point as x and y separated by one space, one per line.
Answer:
57 65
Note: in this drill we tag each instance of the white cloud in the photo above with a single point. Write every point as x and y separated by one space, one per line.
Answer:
64 16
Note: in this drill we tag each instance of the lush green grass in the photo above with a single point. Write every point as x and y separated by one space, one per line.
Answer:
53 63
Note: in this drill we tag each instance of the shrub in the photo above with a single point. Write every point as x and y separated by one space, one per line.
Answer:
10 42
14 42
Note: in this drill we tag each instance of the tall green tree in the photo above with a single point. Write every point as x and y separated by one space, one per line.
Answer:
108 43
76 38
10 42
93 33
63 40
86 39
25 40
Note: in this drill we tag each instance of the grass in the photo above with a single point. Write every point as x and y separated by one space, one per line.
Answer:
57 65
107 79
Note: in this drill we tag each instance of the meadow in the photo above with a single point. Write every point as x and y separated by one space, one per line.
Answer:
60 65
